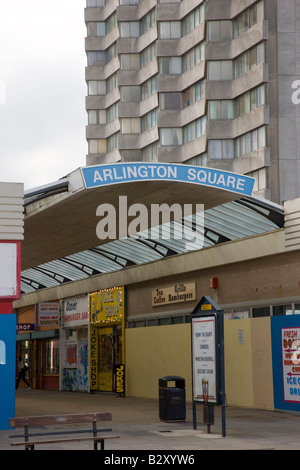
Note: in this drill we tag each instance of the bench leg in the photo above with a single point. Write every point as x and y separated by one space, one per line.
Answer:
101 444
30 447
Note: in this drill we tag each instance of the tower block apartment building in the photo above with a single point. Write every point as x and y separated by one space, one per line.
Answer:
202 82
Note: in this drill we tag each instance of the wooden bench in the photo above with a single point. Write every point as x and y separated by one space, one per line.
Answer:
60 420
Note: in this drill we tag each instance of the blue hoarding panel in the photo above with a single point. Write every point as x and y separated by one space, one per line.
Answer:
285 331
7 368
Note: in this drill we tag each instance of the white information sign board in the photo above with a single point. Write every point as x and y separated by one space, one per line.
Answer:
204 359
8 269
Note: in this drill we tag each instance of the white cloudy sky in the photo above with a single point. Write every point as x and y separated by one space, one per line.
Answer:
42 90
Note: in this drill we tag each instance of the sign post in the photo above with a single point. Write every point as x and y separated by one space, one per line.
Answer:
207 330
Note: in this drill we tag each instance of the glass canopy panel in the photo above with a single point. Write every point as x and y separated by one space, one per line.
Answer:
230 221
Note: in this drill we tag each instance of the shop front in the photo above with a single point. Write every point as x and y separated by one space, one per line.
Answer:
107 364
38 344
74 344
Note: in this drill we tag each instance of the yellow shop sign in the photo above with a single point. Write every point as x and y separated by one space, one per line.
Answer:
107 306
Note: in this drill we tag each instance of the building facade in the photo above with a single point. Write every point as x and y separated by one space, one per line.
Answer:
212 83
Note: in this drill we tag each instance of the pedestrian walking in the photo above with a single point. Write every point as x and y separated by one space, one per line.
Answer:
22 369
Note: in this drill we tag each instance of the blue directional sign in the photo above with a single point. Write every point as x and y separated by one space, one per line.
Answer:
103 175
7 368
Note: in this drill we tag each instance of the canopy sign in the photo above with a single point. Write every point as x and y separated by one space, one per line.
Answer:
103 175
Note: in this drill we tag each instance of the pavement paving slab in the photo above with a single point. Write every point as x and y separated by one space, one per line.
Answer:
137 422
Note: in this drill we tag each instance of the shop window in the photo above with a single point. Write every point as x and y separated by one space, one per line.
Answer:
52 357
297 309
164 321
139 324
177 320
282 310
261 312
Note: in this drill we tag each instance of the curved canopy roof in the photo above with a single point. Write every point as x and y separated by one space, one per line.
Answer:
61 246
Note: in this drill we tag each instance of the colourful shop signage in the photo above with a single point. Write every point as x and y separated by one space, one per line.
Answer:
107 306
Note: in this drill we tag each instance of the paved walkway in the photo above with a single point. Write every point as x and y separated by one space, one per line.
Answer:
137 421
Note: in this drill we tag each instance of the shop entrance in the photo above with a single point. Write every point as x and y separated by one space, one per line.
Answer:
110 355
106 338
47 360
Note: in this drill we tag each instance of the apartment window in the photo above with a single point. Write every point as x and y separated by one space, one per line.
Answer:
111 83
170 30
199 160
249 60
221 109
194 129
171 136
129 29
130 94
250 142
130 126
96 87
147 21
245 20
220 149
170 65
192 20
93 57
111 52
111 23
147 55
148 88
260 177
112 113
193 94
219 31
96 29
95 3
150 153
220 70
97 146
97 116
193 57
250 101
149 120
112 142
170 101
129 61
129 2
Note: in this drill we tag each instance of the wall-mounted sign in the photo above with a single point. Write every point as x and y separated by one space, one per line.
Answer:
76 311
93 358
107 306
174 294
120 378
10 270
48 314
103 175
291 363
25 327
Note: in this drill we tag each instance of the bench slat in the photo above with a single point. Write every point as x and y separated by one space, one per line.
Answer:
98 438
60 419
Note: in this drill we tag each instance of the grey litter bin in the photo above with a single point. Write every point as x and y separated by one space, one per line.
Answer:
172 398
